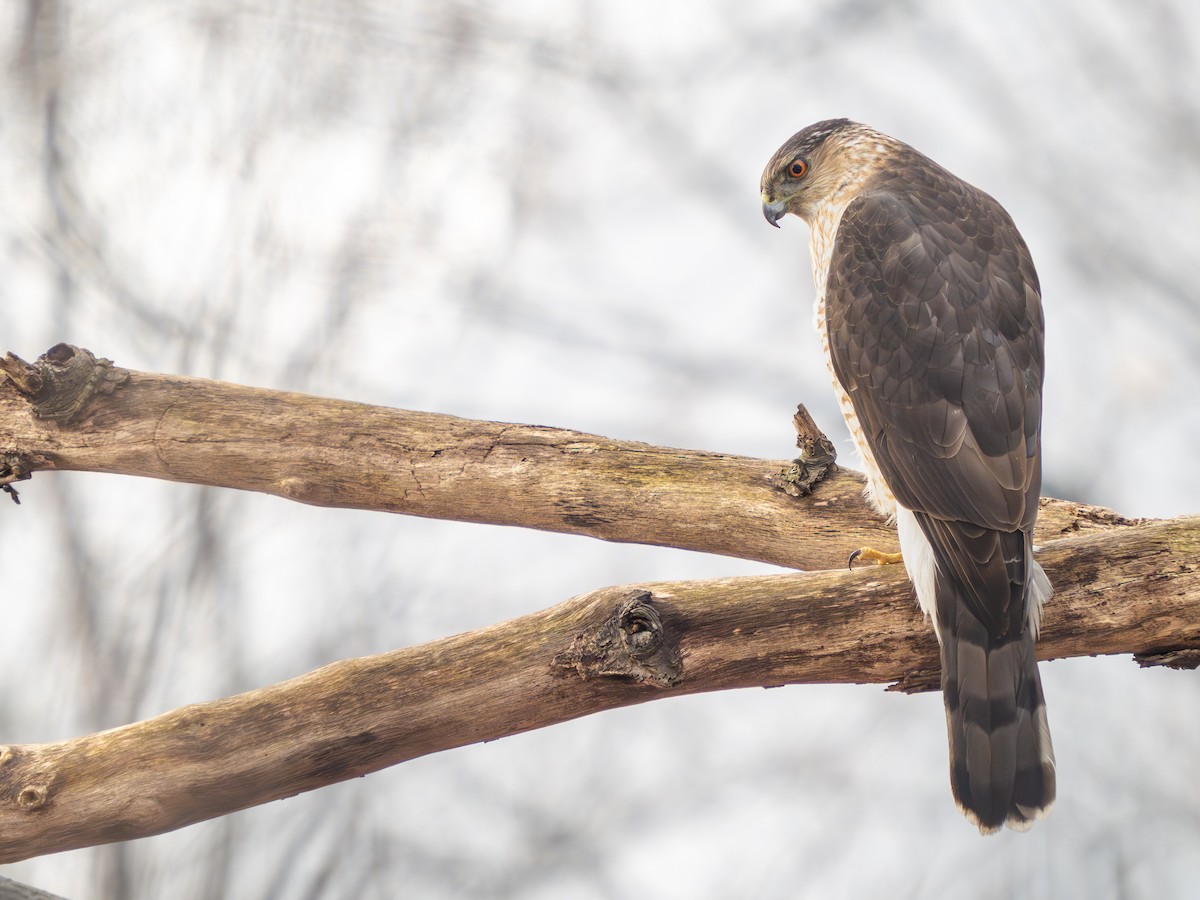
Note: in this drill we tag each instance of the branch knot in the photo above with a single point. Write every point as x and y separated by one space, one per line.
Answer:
631 642
61 382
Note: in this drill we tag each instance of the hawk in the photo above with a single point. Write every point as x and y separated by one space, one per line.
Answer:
929 313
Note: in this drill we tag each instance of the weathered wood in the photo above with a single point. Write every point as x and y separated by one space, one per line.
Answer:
1123 587
1133 589
341 454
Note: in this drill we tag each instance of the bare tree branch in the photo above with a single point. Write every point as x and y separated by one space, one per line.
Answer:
1122 587
1127 589
69 412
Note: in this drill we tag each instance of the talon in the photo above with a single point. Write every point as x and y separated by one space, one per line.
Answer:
876 556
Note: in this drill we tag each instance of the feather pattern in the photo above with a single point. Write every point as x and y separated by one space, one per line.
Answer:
935 333
932 321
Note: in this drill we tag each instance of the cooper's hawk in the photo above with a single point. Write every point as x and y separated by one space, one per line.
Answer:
929 312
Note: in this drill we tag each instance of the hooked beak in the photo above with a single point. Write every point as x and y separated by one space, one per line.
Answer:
773 211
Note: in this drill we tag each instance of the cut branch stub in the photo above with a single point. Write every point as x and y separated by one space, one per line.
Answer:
817 457
62 380
631 642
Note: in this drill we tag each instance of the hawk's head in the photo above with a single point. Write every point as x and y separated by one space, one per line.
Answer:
816 163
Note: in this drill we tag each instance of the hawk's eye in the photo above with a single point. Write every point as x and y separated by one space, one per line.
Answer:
797 168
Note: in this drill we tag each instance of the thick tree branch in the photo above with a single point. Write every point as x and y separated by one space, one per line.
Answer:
1130 589
70 412
1123 587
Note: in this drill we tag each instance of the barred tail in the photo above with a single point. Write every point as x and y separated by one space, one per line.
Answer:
1001 758
989 592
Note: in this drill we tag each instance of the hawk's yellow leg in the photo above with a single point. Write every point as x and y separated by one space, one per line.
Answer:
876 556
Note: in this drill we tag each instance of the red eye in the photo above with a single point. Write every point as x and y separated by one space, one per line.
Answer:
797 168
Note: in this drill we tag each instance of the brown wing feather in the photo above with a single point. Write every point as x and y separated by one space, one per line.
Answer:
935 329
935 332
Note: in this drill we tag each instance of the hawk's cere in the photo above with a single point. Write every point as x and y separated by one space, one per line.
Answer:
929 312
